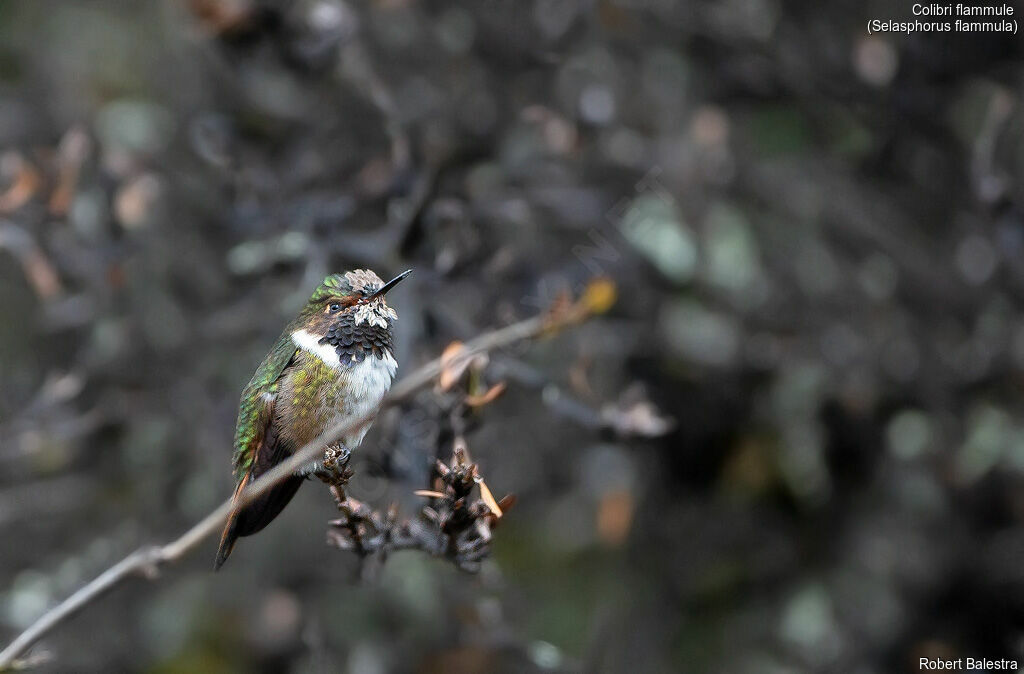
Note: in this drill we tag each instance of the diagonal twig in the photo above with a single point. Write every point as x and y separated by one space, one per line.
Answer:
147 561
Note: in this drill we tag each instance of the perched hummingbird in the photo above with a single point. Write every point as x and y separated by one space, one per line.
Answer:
333 363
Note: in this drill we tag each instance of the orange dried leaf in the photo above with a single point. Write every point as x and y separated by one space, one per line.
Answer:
487 397
72 152
488 498
615 516
26 183
452 366
451 351
223 16
41 275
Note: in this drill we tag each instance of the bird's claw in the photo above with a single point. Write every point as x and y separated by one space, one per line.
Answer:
333 469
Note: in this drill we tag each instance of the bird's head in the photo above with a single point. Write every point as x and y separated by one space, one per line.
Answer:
354 298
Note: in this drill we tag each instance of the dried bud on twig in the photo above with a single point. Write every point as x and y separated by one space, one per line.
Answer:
454 525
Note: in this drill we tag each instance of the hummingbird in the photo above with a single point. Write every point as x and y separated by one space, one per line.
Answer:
333 363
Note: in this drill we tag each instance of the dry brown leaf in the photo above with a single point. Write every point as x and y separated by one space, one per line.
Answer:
224 16
135 200
488 498
615 516
26 183
506 502
41 274
486 397
452 366
37 268
72 152
429 493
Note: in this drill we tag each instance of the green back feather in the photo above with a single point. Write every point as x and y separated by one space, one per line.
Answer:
254 410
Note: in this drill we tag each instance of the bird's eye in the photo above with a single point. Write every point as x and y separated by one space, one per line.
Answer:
335 307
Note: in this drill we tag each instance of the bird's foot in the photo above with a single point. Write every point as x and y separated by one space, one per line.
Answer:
333 468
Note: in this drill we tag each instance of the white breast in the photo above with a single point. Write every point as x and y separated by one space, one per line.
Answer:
369 381
372 377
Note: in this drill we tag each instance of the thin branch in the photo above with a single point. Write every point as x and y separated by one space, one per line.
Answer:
148 560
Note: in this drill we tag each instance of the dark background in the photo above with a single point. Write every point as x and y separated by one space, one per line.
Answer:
816 236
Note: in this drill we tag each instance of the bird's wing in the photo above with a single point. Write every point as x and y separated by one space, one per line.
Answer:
257 448
257 407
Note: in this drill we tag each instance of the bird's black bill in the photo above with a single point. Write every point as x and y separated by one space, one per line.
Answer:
389 285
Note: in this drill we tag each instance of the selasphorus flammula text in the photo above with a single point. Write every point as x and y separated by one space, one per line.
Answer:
332 364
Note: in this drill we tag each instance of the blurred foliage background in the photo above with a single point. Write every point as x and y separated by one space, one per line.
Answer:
816 236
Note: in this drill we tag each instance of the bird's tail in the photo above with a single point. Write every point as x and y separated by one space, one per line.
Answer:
258 514
230 533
